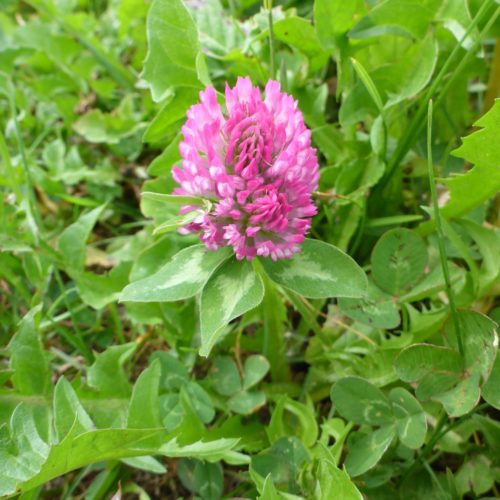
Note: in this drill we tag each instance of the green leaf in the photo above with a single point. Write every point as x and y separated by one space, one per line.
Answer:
483 181
92 447
411 424
107 374
220 36
255 369
69 414
245 403
440 371
269 491
491 390
300 34
333 18
233 289
200 401
301 424
173 199
143 411
225 376
71 242
109 128
398 260
208 480
27 358
28 451
367 450
171 114
319 271
474 187
172 48
183 277
283 461
361 402
146 463
377 309
177 222
213 451
174 373
335 483
162 164
410 75
407 18
476 475
99 290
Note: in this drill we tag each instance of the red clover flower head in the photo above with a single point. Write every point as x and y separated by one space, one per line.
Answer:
254 160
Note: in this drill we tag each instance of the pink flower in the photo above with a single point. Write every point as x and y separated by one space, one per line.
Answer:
254 160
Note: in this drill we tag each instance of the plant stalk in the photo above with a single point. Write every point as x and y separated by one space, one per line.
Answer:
441 237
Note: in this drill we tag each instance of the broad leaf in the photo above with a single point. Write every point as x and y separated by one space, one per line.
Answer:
361 402
411 424
377 309
172 48
398 260
234 289
71 242
27 358
441 372
367 450
335 483
143 412
107 374
319 271
181 278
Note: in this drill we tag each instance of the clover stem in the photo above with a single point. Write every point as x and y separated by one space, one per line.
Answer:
273 343
440 234
268 4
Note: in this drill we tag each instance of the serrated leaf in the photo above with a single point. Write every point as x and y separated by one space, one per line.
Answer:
27 358
106 373
69 414
320 270
234 289
143 411
183 277
483 181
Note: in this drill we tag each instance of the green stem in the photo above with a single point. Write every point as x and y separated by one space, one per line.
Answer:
269 5
32 212
115 317
440 234
273 316
11 174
